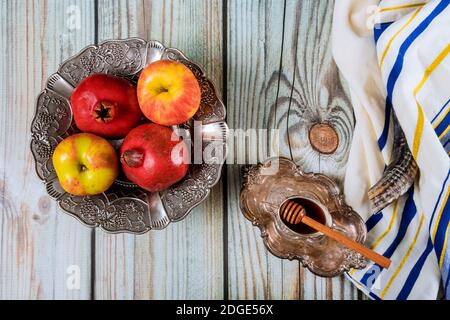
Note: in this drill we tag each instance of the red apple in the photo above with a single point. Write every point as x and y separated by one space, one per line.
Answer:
168 92
154 157
105 105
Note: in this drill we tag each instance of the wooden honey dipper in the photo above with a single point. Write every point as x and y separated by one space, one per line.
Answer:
294 213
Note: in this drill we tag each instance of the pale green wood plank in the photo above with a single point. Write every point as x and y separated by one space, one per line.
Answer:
185 261
38 243
114 253
313 84
259 96
254 50
311 92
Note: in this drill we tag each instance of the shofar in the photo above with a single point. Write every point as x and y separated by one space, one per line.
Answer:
398 177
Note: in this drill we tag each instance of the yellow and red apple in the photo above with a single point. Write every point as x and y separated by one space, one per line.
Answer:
168 92
85 164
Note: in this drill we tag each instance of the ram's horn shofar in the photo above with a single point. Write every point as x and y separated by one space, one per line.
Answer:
398 176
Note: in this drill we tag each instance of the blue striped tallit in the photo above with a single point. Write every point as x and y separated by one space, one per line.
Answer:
400 66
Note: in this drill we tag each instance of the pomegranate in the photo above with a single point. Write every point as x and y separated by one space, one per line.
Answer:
154 157
105 105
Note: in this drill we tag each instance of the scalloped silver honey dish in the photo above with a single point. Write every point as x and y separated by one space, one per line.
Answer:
269 185
125 207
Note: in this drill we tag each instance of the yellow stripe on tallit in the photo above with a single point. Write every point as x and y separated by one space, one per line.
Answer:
418 131
420 117
438 219
411 247
383 56
385 233
444 133
403 6
444 247
441 118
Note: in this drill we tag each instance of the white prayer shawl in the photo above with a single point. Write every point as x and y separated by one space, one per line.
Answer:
402 64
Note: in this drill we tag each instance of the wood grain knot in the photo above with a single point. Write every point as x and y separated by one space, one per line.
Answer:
323 138
44 204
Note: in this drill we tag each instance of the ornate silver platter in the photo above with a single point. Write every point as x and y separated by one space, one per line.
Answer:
125 207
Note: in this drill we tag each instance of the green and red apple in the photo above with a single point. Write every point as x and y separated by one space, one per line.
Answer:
85 164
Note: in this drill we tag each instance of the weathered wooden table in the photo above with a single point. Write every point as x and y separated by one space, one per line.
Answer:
272 62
